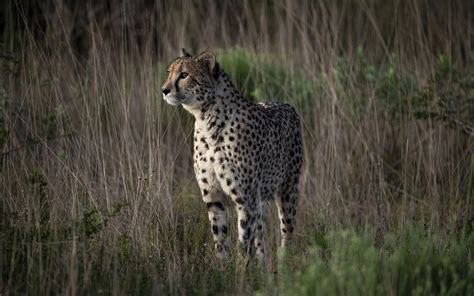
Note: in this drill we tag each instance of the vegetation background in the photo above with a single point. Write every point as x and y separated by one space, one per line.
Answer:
97 188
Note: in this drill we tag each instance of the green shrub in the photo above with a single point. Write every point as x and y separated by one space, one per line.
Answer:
411 262
264 77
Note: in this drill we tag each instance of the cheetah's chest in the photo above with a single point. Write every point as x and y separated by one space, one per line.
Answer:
209 161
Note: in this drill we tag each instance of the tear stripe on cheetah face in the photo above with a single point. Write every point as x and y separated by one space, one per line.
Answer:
242 150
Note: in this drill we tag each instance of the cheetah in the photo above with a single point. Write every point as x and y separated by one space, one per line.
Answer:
250 152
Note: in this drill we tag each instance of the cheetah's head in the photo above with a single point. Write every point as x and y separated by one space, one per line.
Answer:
190 79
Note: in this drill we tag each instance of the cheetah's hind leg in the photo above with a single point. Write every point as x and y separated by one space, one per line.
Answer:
287 202
260 244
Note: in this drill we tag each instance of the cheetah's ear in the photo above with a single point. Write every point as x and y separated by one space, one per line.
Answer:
210 60
184 54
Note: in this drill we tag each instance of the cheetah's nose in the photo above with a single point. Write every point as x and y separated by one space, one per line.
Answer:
165 91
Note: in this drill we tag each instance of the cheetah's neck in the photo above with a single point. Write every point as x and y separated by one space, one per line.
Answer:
220 106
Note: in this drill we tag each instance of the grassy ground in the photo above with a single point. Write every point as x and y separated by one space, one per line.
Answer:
98 194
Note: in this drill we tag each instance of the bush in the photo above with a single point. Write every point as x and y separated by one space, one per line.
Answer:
408 262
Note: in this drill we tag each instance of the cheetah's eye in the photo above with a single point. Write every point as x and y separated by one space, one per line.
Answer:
183 75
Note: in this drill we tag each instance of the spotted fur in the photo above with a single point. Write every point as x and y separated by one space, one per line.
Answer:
247 151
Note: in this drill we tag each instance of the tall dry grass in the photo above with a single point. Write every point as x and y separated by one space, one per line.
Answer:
98 193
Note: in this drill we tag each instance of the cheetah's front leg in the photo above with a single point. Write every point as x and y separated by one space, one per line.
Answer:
219 227
246 228
244 199
251 230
